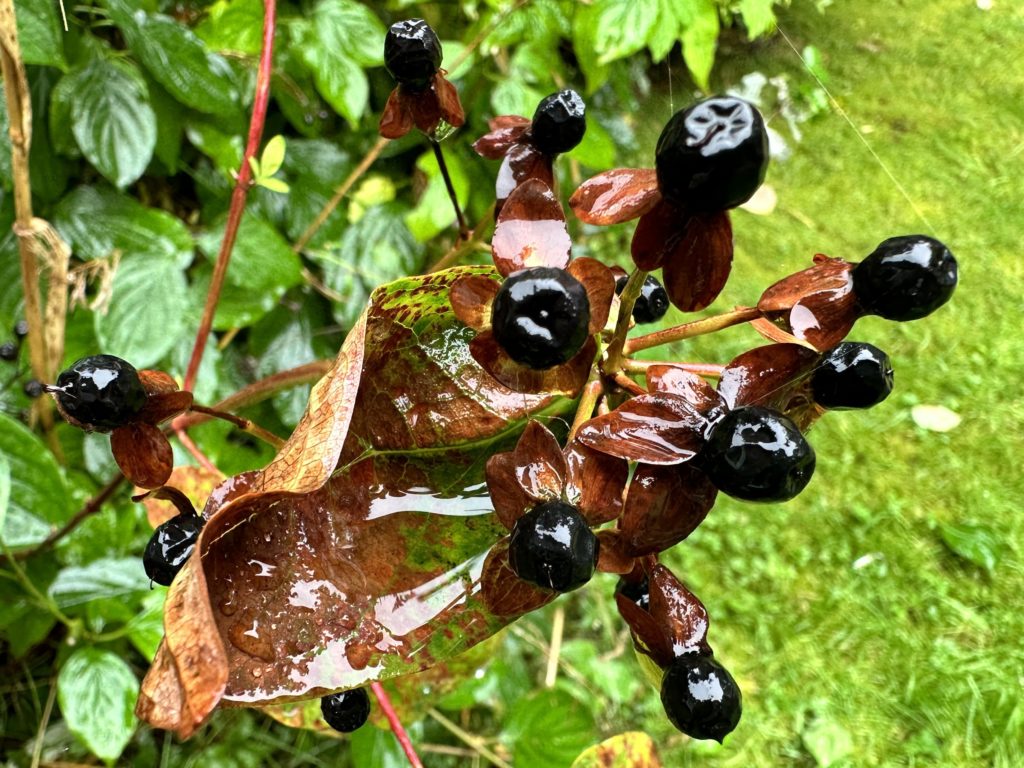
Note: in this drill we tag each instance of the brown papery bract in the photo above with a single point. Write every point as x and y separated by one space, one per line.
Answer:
616 196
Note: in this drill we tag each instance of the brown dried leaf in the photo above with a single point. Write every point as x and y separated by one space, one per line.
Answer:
818 305
634 749
654 429
163 406
507 494
157 382
531 230
664 506
657 233
539 464
772 332
496 144
471 298
396 119
679 612
616 196
142 453
522 163
697 267
826 274
448 101
767 376
595 483
504 593
599 284
566 379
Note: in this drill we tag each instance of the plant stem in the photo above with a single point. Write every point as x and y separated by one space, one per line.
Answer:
259 116
592 392
197 454
396 725
630 293
628 384
439 155
340 192
690 330
463 247
37 748
557 632
474 742
246 425
712 370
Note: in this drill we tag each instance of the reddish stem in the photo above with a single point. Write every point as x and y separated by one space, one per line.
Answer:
396 724
259 116
197 454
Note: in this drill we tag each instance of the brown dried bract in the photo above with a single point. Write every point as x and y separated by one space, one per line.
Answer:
817 305
767 376
616 196
664 505
424 109
143 454
530 230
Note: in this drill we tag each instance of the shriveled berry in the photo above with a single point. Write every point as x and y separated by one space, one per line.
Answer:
101 392
33 388
700 697
412 52
905 278
652 303
540 316
712 155
757 454
170 546
8 351
637 591
852 375
21 329
552 546
346 711
559 122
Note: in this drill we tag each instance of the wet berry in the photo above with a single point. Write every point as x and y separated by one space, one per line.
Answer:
8 351
852 375
170 546
652 303
637 591
559 122
21 329
905 278
33 388
700 697
540 316
101 392
552 546
412 53
757 454
713 155
346 711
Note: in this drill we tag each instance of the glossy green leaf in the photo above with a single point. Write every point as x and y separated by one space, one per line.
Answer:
96 222
5 488
39 32
48 173
261 262
349 27
273 155
223 147
146 629
146 316
170 125
38 498
233 25
665 32
758 16
112 120
699 19
314 169
620 27
567 726
975 543
97 691
103 579
339 79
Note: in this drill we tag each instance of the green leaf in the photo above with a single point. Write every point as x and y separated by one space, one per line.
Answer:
40 33
314 169
274 185
351 27
170 125
975 543
758 16
5 489
97 691
340 80
597 150
179 61
620 27
48 174
700 23
665 32
379 748
146 630
434 212
103 579
226 149
627 750
97 221
273 156
566 724
112 120
261 262
38 496
233 25
827 741
146 317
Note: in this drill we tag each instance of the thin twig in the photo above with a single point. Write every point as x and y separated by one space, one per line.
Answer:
37 748
259 116
439 156
628 384
246 425
627 299
193 449
396 724
557 631
588 400
473 742
712 370
690 330
463 247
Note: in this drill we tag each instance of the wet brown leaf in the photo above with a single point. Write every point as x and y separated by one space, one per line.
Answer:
157 382
634 749
566 379
767 376
143 454
503 136
163 406
773 332
677 381
396 119
664 506
645 630
599 284
595 483
522 163
471 299
448 101
507 494
817 304
697 267
682 616
654 429
616 196
611 555
505 594
530 230
539 465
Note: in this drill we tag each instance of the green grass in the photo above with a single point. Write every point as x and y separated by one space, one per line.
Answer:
916 655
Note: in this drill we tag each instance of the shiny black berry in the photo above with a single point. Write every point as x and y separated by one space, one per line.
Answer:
852 375
346 711
637 591
412 52
559 122
21 329
8 351
170 546
713 155
540 316
757 454
905 278
552 546
652 303
700 697
101 392
33 388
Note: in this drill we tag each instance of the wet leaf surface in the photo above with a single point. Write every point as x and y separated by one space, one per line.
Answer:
530 230
616 196
768 376
396 120
664 506
506 130
471 299
599 283
679 612
595 483
538 463
697 267
657 428
522 163
143 454
817 305
566 380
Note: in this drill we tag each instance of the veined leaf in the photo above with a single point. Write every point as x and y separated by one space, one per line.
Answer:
97 692
39 33
101 579
700 26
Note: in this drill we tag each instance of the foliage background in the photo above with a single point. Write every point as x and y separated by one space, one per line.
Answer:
872 621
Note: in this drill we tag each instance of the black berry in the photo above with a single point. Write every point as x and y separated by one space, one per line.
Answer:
652 303
559 122
412 53
852 375
552 546
905 278
637 591
713 155
33 388
170 546
101 392
700 697
8 351
540 316
21 329
346 711
757 454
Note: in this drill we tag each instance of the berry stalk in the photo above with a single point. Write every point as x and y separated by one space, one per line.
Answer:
711 370
259 116
692 329
242 423
463 226
396 725
630 293
592 392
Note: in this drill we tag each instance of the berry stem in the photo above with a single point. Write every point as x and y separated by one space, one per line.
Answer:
628 384
242 423
592 392
340 192
692 329
259 116
630 293
712 370
463 227
463 247
396 725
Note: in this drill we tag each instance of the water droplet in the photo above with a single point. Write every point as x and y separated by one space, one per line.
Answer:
245 635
